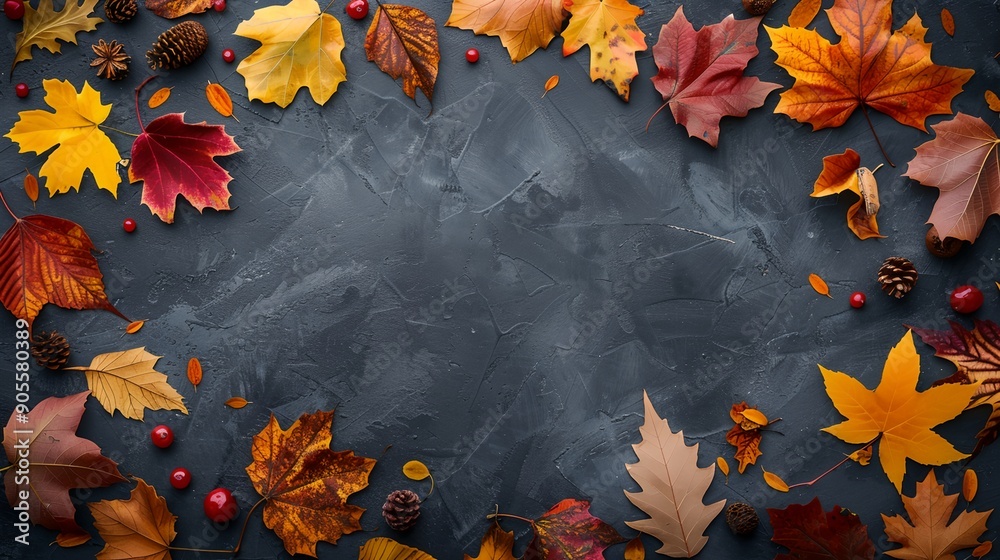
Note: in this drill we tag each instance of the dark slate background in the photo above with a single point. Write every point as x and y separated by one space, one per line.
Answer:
490 288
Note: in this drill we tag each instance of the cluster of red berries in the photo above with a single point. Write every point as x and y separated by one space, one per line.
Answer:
963 299
220 505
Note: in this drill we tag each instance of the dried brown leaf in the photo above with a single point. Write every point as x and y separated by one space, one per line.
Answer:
948 22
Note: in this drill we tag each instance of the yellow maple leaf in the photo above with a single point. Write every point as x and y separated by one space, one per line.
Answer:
126 382
74 128
300 47
897 413
44 27
522 25
609 28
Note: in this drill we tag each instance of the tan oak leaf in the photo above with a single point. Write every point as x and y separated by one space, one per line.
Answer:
126 382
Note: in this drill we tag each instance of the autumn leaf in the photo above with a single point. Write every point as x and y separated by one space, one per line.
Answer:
961 161
236 402
139 527
194 372
976 354
933 535
569 532
843 172
300 47
701 73
948 22
804 13
550 84
982 550
523 26
43 27
862 456
134 327
219 99
74 128
870 67
677 516
819 285
159 97
813 534
403 42
608 27
45 259
172 9
992 101
634 550
775 481
746 440
381 548
305 484
723 467
497 544
126 382
31 188
60 461
970 485
896 413
172 157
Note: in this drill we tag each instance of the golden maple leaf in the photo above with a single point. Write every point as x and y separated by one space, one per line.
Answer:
870 66
74 128
300 47
522 25
609 28
497 544
126 382
897 413
403 42
139 527
382 548
44 27
933 535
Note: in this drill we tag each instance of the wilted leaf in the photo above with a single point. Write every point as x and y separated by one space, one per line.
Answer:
403 42
569 532
948 22
73 129
497 544
31 188
219 99
159 98
126 382
992 101
933 536
775 481
608 27
172 9
522 25
381 548
862 456
236 402
896 413
43 27
673 487
139 527
745 437
306 484
970 484
701 73
634 550
172 157
812 534
134 327
804 13
843 172
194 371
550 84
60 462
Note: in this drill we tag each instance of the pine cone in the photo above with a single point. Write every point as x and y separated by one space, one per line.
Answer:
897 276
757 7
742 518
401 509
112 61
178 46
50 349
120 11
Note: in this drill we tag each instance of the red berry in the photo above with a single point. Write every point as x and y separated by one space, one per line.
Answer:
180 478
162 436
128 225
13 9
858 300
220 506
966 299
472 55
357 9
219 5
228 55
21 90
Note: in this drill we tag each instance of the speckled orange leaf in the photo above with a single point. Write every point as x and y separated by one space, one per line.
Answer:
236 402
306 484
569 532
608 27
139 527
194 372
804 12
159 98
843 172
403 42
497 544
171 9
522 25
948 22
745 438
870 66
992 101
970 484
31 188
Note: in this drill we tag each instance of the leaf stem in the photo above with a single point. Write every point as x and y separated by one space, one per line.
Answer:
199 550
7 468
864 109
432 487
239 541
833 468
496 515
653 116
4 200
118 130
138 88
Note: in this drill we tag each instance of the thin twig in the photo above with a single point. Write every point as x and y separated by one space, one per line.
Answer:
864 109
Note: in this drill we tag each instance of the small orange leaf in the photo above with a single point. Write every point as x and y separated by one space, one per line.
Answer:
755 416
862 456
237 402
194 372
993 101
219 98
634 550
31 187
948 22
723 467
982 550
550 84
804 12
819 285
774 481
970 484
134 326
159 98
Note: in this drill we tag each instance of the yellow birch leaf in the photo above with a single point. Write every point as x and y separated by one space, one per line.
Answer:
236 402
415 470
126 382
819 285
159 98
723 467
608 27
382 548
775 481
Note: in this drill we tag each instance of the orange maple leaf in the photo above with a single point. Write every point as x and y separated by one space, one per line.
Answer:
522 25
609 28
746 441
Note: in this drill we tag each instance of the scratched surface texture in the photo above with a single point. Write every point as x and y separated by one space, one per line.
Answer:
490 287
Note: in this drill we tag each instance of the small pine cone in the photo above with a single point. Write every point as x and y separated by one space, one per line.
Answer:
178 46
401 509
897 276
757 7
120 11
50 349
742 518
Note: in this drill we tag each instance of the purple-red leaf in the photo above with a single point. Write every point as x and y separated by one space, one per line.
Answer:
569 532
813 534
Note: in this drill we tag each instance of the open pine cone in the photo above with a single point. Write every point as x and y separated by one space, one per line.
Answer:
178 46
897 276
111 60
50 349
401 509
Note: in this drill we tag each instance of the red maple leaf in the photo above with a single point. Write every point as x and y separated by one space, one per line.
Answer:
569 532
813 534
172 157
701 73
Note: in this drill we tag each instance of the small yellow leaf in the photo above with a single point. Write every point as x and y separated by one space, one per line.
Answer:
550 84
194 372
219 99
134 326
948 22
31 187
723 467
415 470
755 416
993 101
634 550
982 550
774 481
159 98
236 402
862 456
970 484
819 285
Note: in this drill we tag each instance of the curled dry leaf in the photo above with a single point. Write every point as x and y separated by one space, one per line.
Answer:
843 172
382 548
775 481
219 99
804 12
970 484
745 436
194 372
135 326
236 402
139 527
948 22
550 84
31 188
862 456
992 101
634 550
127 382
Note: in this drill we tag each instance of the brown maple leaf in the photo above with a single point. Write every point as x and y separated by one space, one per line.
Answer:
962 162
305 484
745 436
139 527
403 42
931 534
58 461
